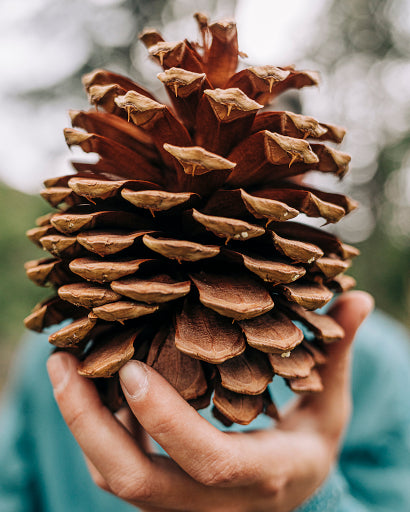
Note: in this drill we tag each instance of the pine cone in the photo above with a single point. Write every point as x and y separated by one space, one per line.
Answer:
179 248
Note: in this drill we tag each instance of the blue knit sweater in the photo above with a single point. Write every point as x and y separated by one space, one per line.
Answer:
42 469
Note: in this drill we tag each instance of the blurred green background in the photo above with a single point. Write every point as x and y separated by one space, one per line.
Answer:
361 47
17 297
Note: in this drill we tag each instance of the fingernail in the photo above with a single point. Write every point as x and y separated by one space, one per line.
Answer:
58 370
134 379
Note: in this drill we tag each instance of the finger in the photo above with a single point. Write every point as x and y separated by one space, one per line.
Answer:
127 471
90 422
207 454
130 422
332 405
102 484
97 477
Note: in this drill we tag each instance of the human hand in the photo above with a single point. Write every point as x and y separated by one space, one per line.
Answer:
209 470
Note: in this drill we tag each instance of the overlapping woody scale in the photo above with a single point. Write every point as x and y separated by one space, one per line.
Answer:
178 247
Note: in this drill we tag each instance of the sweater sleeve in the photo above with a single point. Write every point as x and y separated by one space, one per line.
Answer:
333 496
374 467
17 481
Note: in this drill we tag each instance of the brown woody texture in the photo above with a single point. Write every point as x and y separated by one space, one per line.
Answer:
179 246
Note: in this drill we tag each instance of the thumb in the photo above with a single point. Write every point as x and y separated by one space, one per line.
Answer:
332 406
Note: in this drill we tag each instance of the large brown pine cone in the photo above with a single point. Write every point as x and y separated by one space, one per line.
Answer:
178 247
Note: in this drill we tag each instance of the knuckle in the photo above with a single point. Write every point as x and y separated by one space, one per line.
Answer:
100 482
273 486
75 418
142 490
220 469
163 428
120 486
131 488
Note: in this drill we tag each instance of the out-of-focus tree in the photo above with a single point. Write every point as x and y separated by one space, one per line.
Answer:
363 51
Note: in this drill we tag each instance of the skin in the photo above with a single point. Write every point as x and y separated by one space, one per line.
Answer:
209 470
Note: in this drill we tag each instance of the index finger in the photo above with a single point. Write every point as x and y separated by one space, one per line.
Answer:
90 422
125 468
207 454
